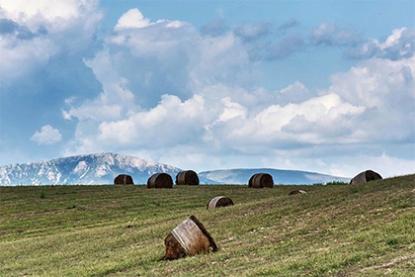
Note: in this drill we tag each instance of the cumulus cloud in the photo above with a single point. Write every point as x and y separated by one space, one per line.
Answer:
165 58
277 126
47 135
132 19
203 109
163 125
167 87
400 44
20 57
31 33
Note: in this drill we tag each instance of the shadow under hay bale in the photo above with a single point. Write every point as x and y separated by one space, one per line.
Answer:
160 180
123 179
261 180
187 177
365 176
189 238
219 201
298 191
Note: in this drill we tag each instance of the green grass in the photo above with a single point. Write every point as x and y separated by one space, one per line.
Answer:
335 230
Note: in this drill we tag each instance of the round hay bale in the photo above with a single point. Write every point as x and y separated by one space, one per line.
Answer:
219 201
123 179
365 176
160 180
261 180
189 238
297 191
187 177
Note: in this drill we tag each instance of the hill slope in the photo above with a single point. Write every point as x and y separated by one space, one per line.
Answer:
348 230
280 176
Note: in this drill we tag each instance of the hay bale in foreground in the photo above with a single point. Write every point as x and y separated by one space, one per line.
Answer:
187 177
123 179
160 180
297 191
189 238
365 176
261 180
219 201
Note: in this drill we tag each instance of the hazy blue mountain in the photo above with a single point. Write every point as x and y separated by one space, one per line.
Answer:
280 176
102 168
82 169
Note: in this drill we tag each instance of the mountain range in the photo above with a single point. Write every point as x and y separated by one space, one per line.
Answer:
103 167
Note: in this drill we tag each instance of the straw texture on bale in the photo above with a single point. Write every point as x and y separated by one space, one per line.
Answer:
219 201
123 179
298 191
189 238
187 177
261 180
160 180
365 176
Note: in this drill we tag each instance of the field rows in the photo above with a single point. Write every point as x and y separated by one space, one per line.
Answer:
107 230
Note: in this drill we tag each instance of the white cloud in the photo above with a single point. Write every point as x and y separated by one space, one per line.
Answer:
47 135
231 110
163 125
376 83
399 44
54 15
167 90
40 28
20 56
116 101
132 19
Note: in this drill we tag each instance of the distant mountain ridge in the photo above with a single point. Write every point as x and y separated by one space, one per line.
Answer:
103 167
82 169
280 176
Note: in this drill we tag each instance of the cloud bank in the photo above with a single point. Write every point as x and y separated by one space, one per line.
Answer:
196 92
191 97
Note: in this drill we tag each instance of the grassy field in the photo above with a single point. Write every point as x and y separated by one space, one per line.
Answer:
336 230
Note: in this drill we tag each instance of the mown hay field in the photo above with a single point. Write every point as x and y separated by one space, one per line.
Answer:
335 230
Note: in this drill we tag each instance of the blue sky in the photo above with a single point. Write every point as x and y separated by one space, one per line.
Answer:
317 85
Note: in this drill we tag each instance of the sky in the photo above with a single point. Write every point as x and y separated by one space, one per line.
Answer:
325 86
